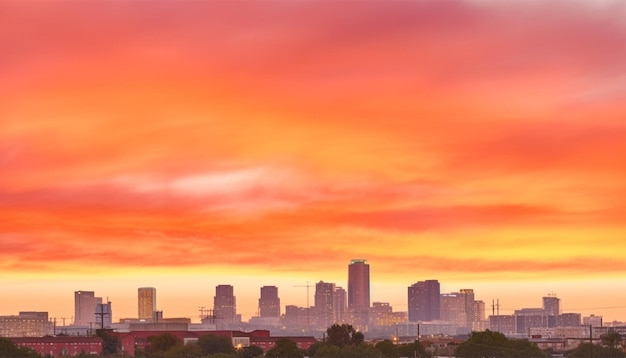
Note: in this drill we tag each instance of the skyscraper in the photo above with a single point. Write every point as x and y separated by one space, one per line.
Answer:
146 301
84 308
359 293
424 301
269 303
324 304
224 305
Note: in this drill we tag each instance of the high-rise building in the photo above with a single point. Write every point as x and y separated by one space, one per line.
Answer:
359 293
324 304
269 303
468 303
341 305
424 301
452 308
146 300
225 305
551 305
479 311
85 308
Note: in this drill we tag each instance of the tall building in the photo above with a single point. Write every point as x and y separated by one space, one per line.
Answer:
359 293
269 303
146 301
225 305
479 311
551 305
85 308
468 303
452 308
424 301
341 305
324 304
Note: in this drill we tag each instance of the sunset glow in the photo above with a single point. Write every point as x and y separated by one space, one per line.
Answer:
185 145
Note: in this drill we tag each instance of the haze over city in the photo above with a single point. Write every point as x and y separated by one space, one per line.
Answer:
186 145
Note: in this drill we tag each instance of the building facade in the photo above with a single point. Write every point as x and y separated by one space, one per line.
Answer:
146 303
26 324
341 305
324 304
359 293
61 346
225 305
85 308
424 301
269 302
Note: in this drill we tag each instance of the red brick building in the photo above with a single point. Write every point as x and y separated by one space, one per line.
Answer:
261 338
61 346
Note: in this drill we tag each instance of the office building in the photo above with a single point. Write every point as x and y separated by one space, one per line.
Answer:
146 303
424 301
26 324
551 305
269 303
468 304
341 305
85 308
568 320
359 293
224 305
452 308
324 304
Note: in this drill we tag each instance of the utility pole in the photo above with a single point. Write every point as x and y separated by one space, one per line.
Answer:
591 340
102 314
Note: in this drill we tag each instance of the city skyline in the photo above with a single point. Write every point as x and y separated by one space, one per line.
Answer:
185 146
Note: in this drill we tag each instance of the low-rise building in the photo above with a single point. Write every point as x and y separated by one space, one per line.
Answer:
61 346
26 324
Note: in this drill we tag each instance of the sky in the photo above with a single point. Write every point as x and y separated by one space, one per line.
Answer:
183 145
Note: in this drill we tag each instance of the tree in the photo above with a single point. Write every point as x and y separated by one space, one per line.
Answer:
360 351
612 339
251 352
414 349
8 349
387 348
162 342
211 344
285 348
327 351
110 342
496 345
588 350
183 350
342 335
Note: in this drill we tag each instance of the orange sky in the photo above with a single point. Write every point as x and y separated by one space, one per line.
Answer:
186 145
